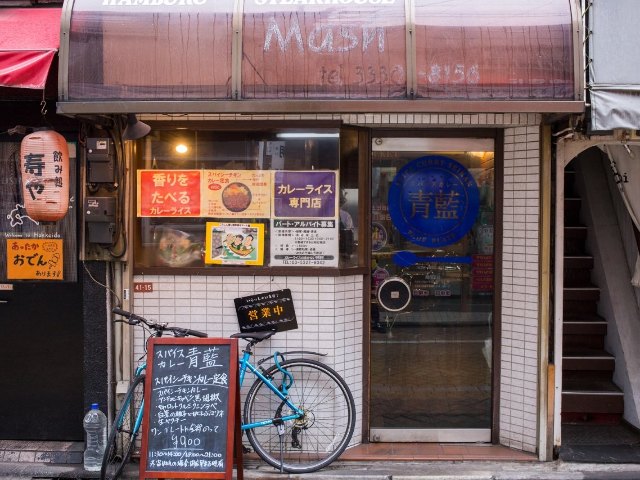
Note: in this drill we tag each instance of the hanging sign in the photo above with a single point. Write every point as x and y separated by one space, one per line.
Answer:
433 201
45 175
266 311
34 259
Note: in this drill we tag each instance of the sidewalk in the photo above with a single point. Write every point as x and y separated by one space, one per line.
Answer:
63 460
374 470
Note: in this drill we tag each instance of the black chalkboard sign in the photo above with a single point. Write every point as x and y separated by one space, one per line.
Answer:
266 311
191 406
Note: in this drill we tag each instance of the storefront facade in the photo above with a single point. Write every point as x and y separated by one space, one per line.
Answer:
393 174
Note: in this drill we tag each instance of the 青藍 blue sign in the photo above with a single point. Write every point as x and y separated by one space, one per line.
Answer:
433 201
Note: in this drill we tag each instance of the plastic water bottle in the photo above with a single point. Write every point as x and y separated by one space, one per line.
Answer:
95 426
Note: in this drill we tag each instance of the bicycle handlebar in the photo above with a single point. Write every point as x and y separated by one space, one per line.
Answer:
133 319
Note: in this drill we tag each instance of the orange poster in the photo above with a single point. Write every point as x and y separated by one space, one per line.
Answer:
169 193
34 259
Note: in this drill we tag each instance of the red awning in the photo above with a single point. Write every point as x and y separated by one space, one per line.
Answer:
29 39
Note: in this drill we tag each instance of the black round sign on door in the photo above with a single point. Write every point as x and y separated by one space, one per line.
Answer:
394 294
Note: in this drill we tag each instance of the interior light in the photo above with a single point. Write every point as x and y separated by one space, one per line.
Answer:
181 148
307 135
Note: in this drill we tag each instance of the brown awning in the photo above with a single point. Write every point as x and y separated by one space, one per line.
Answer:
130 52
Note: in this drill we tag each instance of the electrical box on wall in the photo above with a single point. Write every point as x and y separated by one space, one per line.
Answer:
99 217
100 160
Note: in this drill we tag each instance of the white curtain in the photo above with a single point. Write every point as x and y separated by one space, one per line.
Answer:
625 166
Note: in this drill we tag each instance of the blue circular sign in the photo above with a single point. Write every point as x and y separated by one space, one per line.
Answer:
433 201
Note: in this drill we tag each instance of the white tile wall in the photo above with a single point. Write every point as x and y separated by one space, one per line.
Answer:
330 308
520 274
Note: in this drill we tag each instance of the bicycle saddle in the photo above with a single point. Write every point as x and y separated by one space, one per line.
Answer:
259 336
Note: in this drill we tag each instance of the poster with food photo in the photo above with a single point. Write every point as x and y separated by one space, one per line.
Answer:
235 243
236 193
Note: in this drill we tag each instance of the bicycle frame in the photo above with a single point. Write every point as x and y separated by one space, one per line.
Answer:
136 426
245 365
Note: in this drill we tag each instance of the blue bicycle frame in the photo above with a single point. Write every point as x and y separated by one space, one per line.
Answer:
244 365
281 392
136 426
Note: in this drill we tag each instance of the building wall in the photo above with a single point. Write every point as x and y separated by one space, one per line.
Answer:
330 309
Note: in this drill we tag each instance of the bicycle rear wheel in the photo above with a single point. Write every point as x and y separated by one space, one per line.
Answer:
123 434
314 440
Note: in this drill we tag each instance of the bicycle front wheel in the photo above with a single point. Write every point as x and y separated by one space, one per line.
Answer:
317 438
123 434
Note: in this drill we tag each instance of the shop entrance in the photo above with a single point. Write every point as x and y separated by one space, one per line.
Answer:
432 289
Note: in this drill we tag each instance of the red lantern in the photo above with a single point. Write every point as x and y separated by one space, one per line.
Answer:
44 162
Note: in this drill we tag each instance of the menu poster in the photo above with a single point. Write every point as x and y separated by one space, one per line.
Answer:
190 417
304 242
236 193
34 259
169 193
234 243
305 194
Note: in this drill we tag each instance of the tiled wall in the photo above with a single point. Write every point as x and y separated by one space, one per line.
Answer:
207 302
520 296
328 310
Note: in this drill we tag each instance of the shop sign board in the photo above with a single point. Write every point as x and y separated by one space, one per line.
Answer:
434 201
266 311
298 194
169 193
34 259
191 426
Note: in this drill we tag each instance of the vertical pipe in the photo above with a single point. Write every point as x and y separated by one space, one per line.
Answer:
545 451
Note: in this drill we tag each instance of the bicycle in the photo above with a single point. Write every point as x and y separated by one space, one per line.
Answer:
126 426
299 414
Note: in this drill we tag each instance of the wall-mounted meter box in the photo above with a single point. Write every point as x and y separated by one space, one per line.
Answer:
101 155
99 217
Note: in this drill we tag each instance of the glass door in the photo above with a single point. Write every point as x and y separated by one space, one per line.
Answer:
432 289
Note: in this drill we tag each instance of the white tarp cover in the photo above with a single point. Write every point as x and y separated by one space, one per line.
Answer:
614 76
626 169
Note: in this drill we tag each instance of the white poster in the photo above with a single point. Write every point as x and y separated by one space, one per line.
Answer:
300 242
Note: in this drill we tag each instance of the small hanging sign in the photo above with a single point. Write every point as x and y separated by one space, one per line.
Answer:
266 311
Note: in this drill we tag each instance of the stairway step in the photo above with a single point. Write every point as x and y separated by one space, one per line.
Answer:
588 381
594 327
580 335
572 210
575 231
574 239
579 307
589 361
582 317
578 261
569 183
582 293
592 402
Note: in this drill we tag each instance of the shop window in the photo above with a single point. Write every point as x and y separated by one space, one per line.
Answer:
208 199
